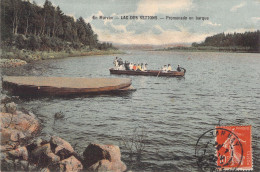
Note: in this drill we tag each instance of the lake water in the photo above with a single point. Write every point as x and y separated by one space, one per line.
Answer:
172 112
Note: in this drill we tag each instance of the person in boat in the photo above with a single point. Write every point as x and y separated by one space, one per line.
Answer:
134 67
131 66
179 68
120 62
138 68
127 65
164 69
142 67
121 67
116 62
169 68
145 67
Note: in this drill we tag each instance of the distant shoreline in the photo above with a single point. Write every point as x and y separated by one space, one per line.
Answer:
209 49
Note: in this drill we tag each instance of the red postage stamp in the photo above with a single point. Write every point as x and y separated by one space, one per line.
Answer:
233 147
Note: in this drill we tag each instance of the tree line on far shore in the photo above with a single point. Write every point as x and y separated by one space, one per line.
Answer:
25 25
248 40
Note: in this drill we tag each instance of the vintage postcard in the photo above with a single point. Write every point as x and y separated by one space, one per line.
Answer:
130 85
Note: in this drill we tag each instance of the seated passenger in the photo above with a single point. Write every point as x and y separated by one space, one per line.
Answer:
145 67
138 68
164 69
127 65
169 67
142 67
134 67
120 62
131 66
121 67
179 68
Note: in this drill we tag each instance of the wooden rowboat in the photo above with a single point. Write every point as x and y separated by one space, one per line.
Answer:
63 86
148 73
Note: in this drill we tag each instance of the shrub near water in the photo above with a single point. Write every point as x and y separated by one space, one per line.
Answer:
29 56
33 48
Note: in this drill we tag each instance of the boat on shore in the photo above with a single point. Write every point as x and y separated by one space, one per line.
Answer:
63 86
148 73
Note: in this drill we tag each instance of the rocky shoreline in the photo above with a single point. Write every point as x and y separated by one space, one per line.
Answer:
22 57
11 63
22 150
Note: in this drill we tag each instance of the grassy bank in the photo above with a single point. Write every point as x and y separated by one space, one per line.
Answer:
16 57
210 49
30 56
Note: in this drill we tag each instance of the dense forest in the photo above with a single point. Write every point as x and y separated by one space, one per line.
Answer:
25 25
248 40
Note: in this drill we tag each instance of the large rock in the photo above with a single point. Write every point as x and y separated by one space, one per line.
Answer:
94 155
16 135
21 165
36 142
7 165
4 148
5 99
40 155
3 108
32 167
11 135
42 150
106 165
6 119
71 164
24 164
20 152
26 123
3 156
17 127
5 135
61 147
11 107
43 156
53 158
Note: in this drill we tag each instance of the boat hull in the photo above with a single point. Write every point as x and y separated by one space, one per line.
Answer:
147 73
63 86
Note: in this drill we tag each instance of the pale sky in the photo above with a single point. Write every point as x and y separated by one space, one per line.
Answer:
223 16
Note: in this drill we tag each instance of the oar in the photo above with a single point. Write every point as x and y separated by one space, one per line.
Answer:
158 73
